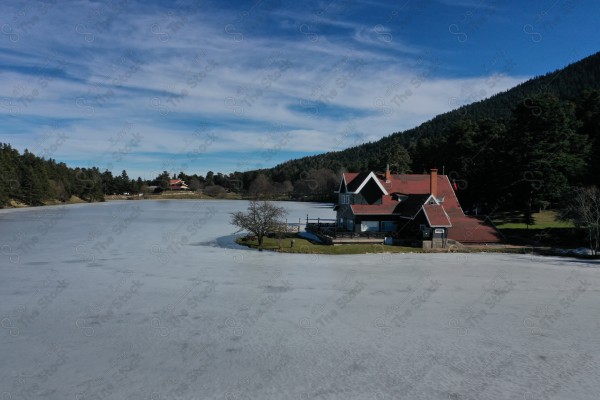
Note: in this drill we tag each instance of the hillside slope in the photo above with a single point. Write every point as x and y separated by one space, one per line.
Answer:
478 144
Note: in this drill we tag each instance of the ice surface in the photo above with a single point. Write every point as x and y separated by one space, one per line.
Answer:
153 300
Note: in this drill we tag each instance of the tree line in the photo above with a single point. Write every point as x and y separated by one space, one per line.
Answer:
32 180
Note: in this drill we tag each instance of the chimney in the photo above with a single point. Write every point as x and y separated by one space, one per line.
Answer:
433 182
388 176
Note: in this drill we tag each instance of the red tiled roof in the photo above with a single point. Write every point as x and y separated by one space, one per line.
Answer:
436 215
413 184
362 209
350 176
467 229
400 183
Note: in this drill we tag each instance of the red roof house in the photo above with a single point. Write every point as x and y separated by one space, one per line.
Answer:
177 184
408 206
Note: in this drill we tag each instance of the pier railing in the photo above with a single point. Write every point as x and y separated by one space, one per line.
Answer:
329 227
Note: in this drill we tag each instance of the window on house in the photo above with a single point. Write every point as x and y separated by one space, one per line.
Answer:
344 199
369 226
388 226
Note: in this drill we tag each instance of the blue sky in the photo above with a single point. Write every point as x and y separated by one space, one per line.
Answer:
192 86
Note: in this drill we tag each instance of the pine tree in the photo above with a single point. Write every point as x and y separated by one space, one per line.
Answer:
545 153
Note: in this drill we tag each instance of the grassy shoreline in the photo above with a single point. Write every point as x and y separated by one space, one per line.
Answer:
304 246
15 204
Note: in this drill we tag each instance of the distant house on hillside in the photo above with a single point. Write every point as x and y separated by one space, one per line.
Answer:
177 184
410 207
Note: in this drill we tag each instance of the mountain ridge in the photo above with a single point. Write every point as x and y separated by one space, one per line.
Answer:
551 82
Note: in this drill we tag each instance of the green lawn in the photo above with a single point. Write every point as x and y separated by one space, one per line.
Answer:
542 220
304 246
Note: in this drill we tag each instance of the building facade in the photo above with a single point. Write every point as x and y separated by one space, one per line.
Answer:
408 206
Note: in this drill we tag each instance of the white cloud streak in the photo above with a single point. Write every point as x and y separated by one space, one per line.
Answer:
200 75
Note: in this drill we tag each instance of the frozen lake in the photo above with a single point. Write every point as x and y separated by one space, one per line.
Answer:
153 300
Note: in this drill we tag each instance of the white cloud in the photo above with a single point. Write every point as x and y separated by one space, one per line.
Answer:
201 75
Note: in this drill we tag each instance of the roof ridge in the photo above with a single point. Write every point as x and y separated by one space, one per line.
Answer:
454 195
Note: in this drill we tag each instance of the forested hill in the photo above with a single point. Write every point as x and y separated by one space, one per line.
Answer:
539 136
568 83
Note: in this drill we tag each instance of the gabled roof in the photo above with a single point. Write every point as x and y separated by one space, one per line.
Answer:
411 206
347 178
375 179
436 216
355 182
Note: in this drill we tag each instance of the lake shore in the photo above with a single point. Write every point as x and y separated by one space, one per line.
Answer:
13 203
304 246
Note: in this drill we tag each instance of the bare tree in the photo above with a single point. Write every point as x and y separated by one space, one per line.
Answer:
284 189
261 186
262 217
214 190
194 184
584 211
